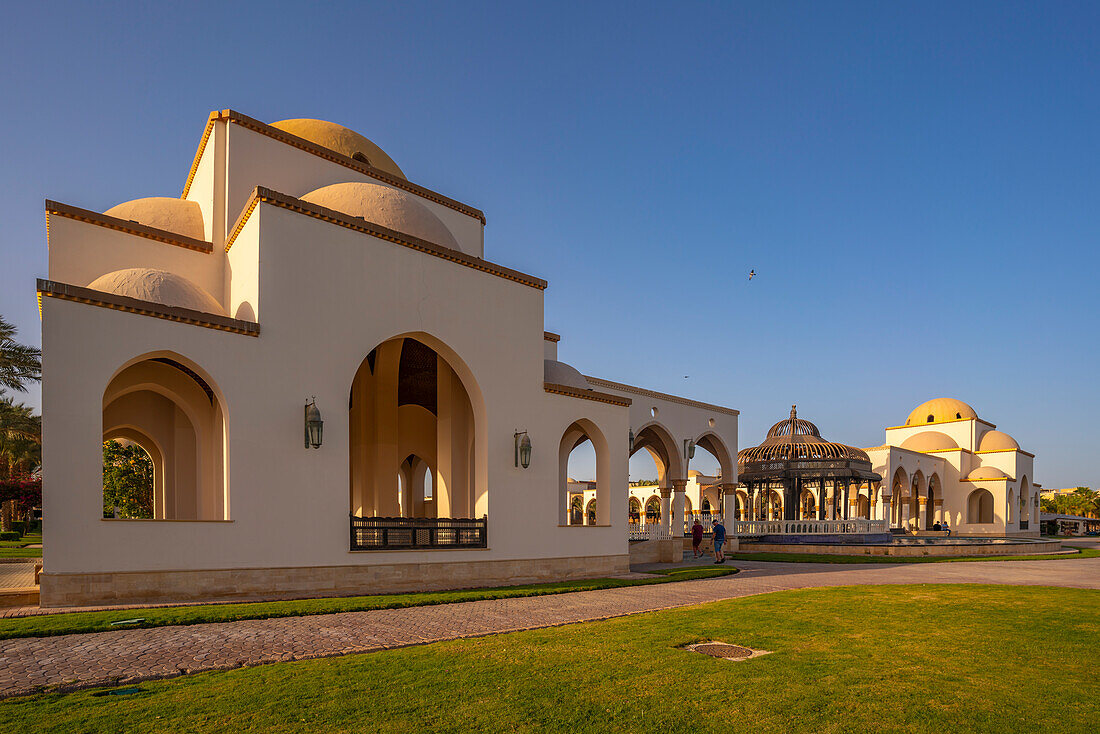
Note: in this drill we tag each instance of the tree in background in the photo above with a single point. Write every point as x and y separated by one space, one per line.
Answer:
1082 502
20 430
127 481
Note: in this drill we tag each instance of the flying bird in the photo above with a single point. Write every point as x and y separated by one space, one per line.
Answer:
751 274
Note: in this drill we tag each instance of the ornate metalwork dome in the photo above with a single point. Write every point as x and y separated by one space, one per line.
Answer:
796 439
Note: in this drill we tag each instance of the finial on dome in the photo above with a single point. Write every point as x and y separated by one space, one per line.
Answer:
794 412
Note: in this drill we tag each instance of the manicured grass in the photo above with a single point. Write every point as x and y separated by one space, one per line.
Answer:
958 658
827 558
17 549
74 622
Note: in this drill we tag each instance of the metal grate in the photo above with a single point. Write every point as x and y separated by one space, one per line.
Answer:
398 533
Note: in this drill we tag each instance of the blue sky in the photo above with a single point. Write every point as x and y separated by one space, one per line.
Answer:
914 183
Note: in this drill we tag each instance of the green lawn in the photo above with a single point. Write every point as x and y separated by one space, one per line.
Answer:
73 622
827 558
16 549
931 658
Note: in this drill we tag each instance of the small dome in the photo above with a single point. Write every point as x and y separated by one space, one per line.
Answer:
561 373
341 140
986 472
929 441
940 410
158 286
391 208
997 441
162 212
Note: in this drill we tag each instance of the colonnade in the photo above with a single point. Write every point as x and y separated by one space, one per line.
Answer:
841 499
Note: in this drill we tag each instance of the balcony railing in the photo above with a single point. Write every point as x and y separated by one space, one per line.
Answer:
402 533
810 527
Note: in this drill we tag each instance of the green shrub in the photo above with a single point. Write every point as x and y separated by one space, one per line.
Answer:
20 527
10 535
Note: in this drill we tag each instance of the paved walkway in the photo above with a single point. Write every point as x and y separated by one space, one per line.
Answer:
75 661
16 575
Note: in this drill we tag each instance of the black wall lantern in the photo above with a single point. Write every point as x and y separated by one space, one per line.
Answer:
314 425
631 440
523 449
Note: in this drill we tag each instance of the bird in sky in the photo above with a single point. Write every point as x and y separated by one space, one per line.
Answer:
751 274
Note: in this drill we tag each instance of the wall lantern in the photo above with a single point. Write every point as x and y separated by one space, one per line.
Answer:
689 448
314 425
523 449
631 440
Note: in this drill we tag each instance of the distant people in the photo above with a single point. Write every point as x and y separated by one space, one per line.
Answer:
946 529
719 532
937 527
696 539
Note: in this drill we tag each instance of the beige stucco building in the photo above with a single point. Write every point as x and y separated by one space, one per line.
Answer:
301 266
947 465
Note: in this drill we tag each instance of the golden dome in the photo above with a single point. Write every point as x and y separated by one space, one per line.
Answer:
929 441
940 410
392 208
161 212
158 286
986 472
341 140
997 441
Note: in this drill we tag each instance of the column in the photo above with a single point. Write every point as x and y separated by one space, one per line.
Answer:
679 491
666 511
938 505
922 517
904 520
821 499
729 514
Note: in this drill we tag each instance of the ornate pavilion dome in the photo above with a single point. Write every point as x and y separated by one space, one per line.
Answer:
940 410
341 140
796 439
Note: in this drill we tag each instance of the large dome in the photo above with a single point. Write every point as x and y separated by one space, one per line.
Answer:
797 439
997 441
940 410
158 286
987 472
341 140
392 208
560 373
161 212
929 441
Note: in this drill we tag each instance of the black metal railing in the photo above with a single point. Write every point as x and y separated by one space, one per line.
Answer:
398 533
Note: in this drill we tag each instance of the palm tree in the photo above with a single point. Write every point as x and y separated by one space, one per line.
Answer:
19 364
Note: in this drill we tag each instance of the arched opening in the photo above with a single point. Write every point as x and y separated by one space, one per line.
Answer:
918 491
980 507
634 510
705 506
664 460
576 514
1010 508
128 480
583 437
714 458
168 408
807 506
412 436
1025 503
653 510
774 505
898 496
935 500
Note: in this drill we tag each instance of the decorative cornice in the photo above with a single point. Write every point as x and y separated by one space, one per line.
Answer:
551 336
267 196
575 392
210 120
124 225
78 294
330 155
940 423
659 395
1003 451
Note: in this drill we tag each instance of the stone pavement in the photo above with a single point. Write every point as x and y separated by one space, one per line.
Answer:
125 656
16 575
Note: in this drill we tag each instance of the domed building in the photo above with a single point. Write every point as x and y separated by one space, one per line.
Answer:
338 393
946 466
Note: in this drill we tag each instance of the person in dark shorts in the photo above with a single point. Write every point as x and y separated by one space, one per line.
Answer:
696 539
719 532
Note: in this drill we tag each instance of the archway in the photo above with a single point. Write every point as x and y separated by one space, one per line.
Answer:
898 496
576 512
634 510
659 445
584 432
1025 502
173 411
653 510
807 506
918 491
980 507
590 512
129 478
935 499
410 409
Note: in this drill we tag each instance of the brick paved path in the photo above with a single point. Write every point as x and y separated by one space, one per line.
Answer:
16 575
73 661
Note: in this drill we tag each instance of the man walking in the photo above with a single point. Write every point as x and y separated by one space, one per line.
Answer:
696 539
719 532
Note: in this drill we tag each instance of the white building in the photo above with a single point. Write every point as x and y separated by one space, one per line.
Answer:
945 464
301 265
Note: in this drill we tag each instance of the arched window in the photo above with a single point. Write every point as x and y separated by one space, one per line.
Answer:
653 510
634 511
590 512
165 406
575 512
584 448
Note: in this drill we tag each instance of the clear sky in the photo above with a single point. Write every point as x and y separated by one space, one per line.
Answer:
915 184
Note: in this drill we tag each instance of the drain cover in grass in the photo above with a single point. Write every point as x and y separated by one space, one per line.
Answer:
725 651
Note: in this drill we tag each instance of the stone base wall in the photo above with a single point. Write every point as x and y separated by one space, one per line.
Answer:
656 551
154 587
992 549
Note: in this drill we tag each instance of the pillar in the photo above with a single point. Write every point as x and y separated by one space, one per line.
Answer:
904 520
729 507
666 511
679 489
821 499
938 505
922 513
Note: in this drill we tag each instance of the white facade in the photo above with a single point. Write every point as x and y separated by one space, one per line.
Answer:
198 328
